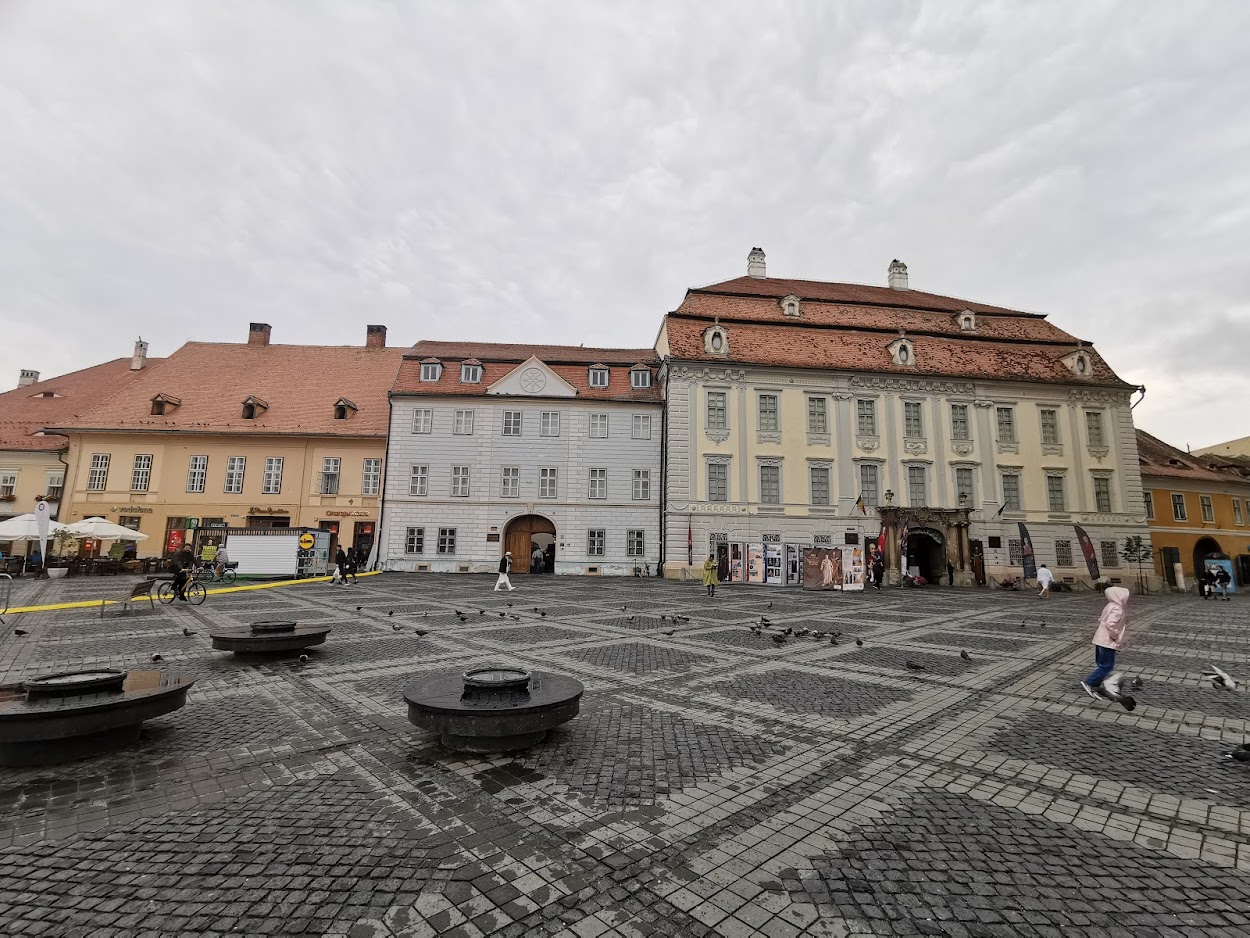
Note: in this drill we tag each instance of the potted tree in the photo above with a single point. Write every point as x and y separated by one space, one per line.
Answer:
61 542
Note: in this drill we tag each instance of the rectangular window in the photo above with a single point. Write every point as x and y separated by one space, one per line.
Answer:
98 477
419 480
1055 498
596 540
414 541
330 475
598 426
1208 508
1150 505
1102 494
511 423
446 540
717 418
598 483
1006 424
1063 553
642 485
271 481
598 377
510 482
817 415
422 420
640 378
916 486
197 473
963 486
470 374
235 467
820 485
768 411
371 477
464 423
1178 508
717 482
8 482
1011 492
869 491
1237 519
1110 556
550 423
1093 427
460 481
547 483
141 474
1015 551
55 487
913 426
635 543
1050 426
641 427
866 417
770 485
130 521
430 371
959 422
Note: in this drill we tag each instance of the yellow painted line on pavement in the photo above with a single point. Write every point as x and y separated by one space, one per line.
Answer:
96 603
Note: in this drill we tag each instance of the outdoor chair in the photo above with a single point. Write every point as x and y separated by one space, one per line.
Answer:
141 590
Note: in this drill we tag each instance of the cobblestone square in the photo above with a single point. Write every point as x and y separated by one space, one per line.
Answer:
714 783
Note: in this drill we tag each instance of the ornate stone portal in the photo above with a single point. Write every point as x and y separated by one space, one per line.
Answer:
950 525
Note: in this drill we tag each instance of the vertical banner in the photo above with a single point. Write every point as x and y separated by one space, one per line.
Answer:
43 516
689 542
1026 551
1087 548
902 549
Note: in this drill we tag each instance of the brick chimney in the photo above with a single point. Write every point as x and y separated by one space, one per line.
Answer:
375 336
755 264
140 357
26 377
898 275
258 333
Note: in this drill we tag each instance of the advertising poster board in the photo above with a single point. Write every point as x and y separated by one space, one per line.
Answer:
755 563
853 569
822 568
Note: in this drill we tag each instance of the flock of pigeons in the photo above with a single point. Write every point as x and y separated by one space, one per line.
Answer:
780 637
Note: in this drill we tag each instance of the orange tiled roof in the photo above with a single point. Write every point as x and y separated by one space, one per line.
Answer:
572 363
24 412
847 327
1162 460
300 384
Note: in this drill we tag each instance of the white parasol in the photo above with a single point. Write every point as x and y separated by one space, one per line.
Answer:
101 529
25 528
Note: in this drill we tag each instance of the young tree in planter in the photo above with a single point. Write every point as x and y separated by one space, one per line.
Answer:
1137 551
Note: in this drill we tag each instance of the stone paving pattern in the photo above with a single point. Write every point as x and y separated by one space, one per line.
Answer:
714 783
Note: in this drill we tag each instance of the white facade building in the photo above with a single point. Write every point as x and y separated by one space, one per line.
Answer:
518 447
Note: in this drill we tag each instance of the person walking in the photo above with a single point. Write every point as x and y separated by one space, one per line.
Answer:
536 560
709 574
878 570
1044 579
505 567
340 567
1108 638
1222 580
350 569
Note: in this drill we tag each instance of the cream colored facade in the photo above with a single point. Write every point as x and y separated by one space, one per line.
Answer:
26 476
165 502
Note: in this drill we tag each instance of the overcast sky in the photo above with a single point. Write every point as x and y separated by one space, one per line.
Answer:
562 172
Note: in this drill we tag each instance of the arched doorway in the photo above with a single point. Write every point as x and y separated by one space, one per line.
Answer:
525 533
926 550
1206 547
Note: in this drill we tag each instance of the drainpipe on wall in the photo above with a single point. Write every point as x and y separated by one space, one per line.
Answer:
375 554
64 482
659 571
1141 389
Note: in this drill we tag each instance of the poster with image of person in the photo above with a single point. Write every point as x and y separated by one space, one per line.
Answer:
853 569
822 568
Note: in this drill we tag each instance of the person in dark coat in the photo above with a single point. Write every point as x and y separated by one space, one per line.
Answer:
878 570
340 566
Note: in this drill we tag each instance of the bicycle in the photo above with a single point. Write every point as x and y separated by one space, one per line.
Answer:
209 572
194 591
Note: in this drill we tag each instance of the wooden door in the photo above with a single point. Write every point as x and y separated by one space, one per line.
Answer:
518 541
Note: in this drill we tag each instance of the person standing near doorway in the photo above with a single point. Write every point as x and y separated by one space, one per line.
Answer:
878 570
1222 580
709 574
505 567
1044 579
536 560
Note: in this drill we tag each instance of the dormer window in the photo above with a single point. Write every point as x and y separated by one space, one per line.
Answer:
967 321
902 352
162 404
431 369
1080 364
598 376
716 340
640 377
470 373
253 407
790 305
343 408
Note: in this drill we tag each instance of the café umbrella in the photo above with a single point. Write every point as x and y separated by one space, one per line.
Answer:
101 529
25 528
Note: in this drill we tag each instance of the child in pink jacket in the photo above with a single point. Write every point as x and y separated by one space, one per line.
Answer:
1108 637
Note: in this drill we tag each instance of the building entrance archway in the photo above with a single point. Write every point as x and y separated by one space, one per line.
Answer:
526 532
926 549
1204 548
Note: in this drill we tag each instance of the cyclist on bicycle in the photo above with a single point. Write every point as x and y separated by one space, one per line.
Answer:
222 559
182 576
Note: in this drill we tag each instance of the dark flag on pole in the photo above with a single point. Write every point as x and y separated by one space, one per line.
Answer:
1001 509
1026 554
1087 548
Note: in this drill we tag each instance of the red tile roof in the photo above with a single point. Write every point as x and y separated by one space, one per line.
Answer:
572 363
300 384
847 327
1159 459
24 412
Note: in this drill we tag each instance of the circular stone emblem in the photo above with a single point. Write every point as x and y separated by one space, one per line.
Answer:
533 380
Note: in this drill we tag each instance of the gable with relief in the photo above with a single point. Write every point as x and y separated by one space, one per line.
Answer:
532 379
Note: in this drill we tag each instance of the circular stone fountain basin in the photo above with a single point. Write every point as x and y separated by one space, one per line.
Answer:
492 709
269 636
84 714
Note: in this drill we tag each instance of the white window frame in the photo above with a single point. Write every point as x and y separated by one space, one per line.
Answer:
236 471
1178 501
331 474
470 374
1102 494
1050 434
642 485
1095 432
460 482
141 472
596 542
1053 483
767 494
599 424
865 416
1149 499
414 540
768 415
640 427
1206 505
597 483
548 482
718 490
8 482
917 476
98 475
962 473
549 424
423 420
418 480
447 541
913 420
371 476
718 410
431 371
1005 423
635 542
512 421
1237 515
870 484
54 484
817 415
812 473
510 482
463 423
1012 494
599 377
640 379
271 480
960 418
197 473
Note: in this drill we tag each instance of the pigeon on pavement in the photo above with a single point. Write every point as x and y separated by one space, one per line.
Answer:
20 632
156 657
390 612
421 632
1112 689
965 656
1238 755
859 642
187 632
400 628
779 639
669 632
913 666
1220 678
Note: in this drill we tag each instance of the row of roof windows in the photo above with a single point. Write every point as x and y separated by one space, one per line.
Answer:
253 407
598 375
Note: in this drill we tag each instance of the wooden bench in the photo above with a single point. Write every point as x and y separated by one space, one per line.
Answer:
141 590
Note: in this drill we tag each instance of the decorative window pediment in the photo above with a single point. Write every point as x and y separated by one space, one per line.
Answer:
967 321
532 378
1080 363
791 305
902 352
716 340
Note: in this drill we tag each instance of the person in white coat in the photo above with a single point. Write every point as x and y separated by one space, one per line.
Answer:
505 567
1045 578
